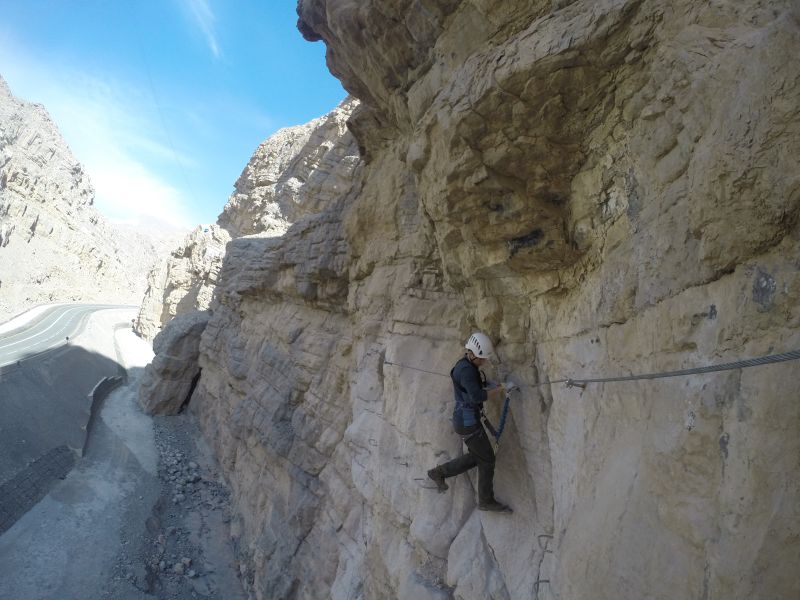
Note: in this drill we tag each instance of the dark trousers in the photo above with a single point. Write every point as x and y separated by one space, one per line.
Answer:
480 454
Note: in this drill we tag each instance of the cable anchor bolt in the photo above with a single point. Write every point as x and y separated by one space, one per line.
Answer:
571 383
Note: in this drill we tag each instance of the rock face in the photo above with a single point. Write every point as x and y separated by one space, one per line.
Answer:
606 188
54 246
168 380
184 281
295 173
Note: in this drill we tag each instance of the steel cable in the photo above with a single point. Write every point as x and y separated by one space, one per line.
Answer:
739 364
574 382
582 381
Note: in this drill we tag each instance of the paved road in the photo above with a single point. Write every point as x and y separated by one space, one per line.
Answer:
48 331
46 383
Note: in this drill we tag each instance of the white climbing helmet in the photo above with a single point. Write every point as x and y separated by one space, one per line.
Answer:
480 345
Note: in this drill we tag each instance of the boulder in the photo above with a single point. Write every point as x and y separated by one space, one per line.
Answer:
169 379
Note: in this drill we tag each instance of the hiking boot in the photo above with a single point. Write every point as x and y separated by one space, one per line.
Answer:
438 478
495 506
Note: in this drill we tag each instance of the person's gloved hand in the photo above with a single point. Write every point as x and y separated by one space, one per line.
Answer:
510 386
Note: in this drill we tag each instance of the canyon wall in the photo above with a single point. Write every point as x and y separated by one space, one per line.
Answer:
606 188
183 281
294 173
54 245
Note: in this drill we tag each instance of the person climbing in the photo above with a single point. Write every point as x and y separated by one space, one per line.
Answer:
469 386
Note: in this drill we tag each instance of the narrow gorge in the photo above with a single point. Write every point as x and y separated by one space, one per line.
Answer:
606 188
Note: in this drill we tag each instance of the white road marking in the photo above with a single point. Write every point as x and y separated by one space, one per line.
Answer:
35 335
21 320
47 342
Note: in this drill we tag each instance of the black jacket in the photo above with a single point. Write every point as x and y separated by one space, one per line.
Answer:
468 386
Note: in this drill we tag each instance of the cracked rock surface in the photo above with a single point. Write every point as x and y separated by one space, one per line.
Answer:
604 187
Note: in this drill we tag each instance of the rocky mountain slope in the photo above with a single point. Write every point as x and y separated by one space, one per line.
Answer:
54 246
295 173
606 188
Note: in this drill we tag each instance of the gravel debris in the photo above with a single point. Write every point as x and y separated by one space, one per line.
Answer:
188 552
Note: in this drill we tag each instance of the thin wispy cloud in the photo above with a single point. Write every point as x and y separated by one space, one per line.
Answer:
204 18
126 191
109 132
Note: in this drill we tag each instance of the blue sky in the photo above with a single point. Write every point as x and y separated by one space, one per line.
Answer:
164 101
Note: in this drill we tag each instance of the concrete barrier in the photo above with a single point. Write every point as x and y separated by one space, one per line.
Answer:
100 392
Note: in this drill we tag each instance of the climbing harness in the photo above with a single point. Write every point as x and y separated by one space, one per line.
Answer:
496 433
503 415
501 424
583 381
468 436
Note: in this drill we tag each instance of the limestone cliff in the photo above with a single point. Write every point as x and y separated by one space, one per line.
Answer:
183 281
606 187
54 246
297 172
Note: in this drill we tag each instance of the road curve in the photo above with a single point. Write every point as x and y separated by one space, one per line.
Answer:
49 331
